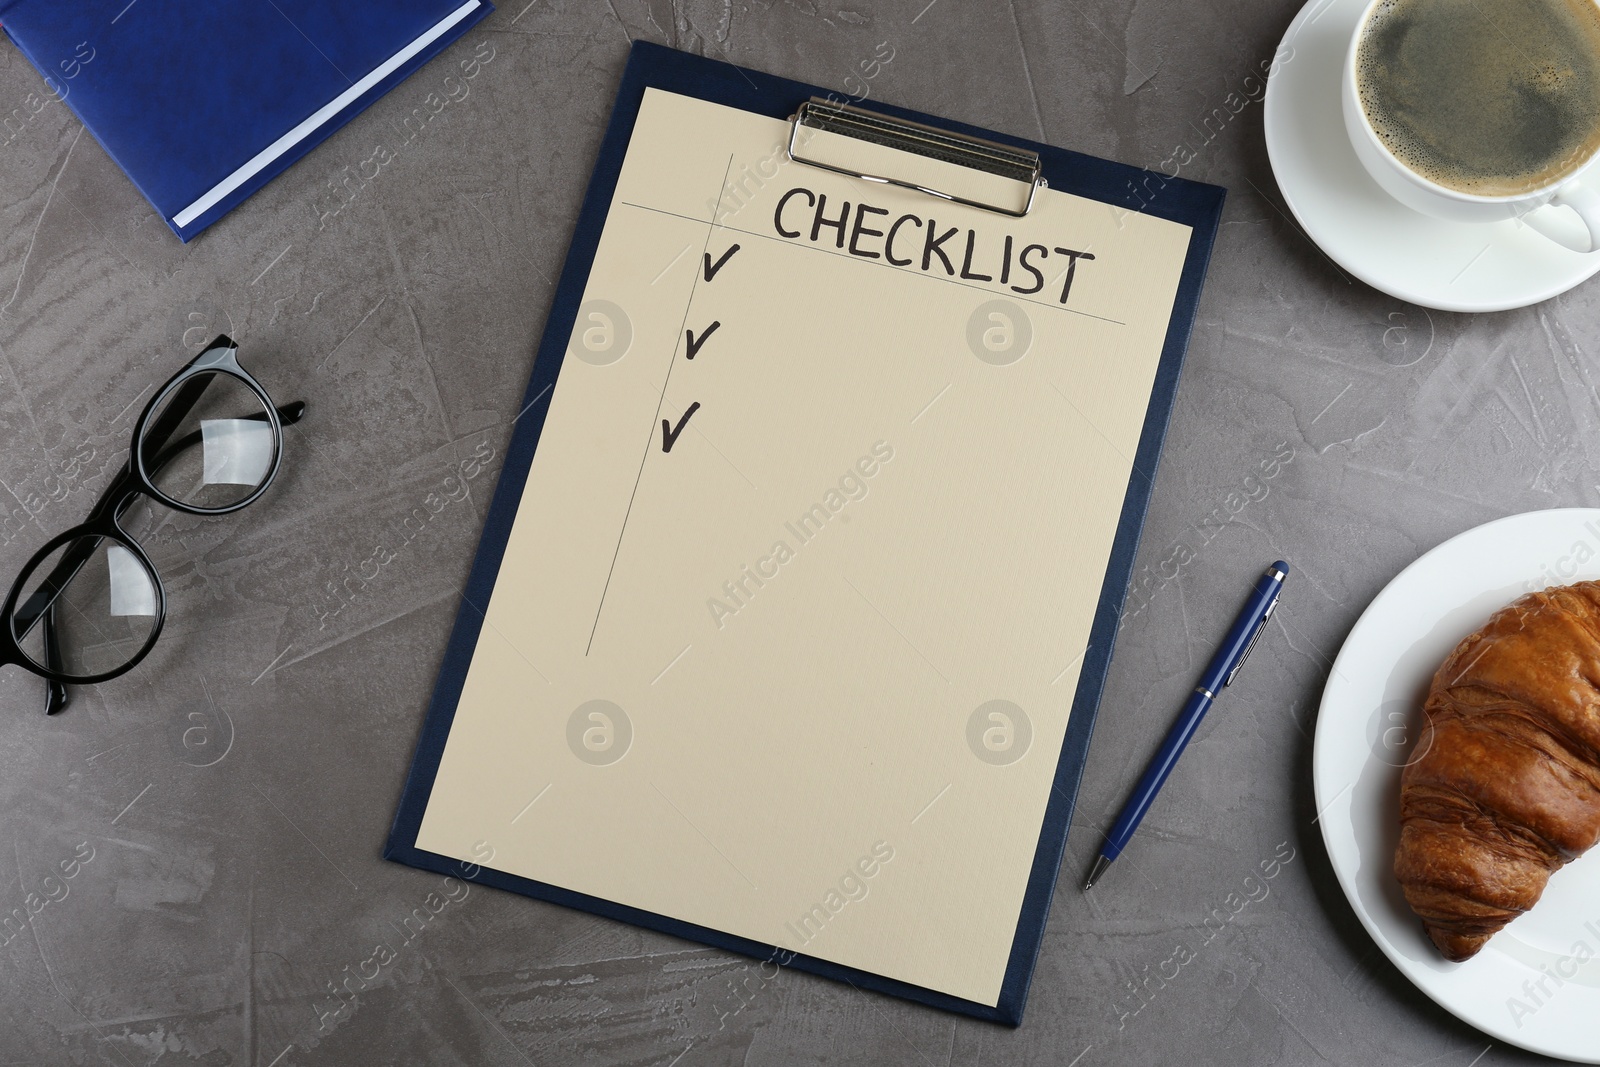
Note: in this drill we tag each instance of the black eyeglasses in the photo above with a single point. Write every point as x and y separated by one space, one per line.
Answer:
89 605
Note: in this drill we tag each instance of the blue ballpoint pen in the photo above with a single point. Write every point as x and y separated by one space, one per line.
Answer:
1220 673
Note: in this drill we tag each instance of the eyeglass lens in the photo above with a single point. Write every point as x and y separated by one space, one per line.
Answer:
218 452
102 601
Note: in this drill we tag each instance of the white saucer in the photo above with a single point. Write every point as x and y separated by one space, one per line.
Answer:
1448 265
1365 734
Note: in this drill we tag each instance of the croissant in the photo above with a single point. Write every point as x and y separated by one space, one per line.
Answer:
1503 787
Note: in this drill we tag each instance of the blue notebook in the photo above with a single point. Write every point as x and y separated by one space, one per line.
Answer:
201 104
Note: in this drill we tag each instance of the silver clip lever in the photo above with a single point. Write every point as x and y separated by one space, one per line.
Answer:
990 157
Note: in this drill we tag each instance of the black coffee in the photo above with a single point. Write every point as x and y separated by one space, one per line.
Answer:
1492 97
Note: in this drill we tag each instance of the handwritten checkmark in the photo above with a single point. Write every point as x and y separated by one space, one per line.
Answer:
712 268
669 433
694 342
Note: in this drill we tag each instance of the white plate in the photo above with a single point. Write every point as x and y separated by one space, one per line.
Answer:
1449 265
1371 703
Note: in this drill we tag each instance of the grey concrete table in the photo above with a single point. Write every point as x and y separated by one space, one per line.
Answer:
235 790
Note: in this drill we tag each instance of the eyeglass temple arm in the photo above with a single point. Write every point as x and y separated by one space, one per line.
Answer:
118 497
172 416
56 695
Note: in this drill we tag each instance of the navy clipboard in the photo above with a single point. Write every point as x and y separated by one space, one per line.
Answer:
1193 204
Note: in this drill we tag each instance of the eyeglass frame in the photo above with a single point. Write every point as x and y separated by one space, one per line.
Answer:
136 479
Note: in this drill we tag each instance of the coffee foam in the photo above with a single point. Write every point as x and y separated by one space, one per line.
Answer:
1490 97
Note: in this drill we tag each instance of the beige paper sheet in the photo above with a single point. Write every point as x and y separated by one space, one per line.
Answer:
901 521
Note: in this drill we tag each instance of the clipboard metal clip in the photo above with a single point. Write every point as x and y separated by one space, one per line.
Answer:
988 156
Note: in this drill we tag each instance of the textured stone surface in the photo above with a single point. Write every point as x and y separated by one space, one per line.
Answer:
236 789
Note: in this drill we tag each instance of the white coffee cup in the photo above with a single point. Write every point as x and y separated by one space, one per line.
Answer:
1576 190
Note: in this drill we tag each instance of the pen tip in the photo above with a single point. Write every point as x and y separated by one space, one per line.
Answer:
1100 865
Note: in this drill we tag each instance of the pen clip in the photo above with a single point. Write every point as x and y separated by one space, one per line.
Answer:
1252 645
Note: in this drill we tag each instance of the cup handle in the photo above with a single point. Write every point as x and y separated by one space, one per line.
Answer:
1584 200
